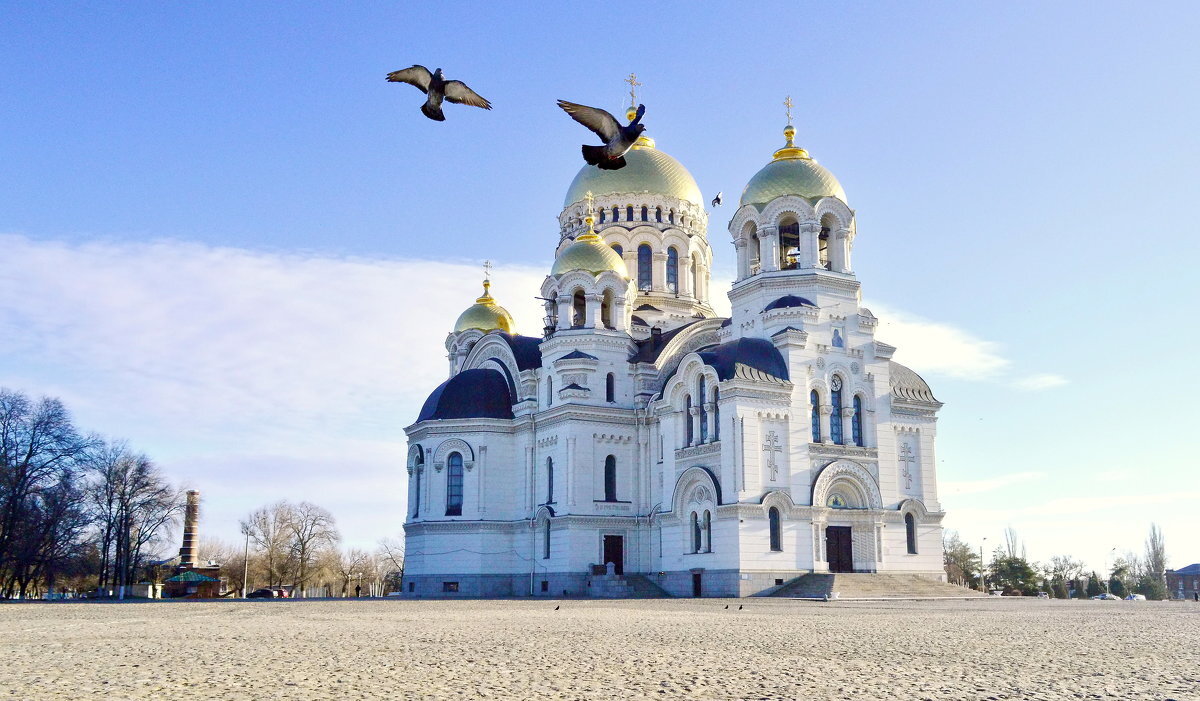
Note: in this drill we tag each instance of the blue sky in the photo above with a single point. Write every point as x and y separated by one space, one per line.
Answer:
232 242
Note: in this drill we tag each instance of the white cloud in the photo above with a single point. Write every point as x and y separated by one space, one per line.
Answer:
960 488
930 346
1034 383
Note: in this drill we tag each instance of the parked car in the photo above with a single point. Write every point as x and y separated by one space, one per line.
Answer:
1106 597
1043 595
1135 597
262 594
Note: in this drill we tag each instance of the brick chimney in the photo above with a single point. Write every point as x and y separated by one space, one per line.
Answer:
191 522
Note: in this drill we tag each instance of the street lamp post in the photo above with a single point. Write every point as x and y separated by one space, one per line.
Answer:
246 566
982 584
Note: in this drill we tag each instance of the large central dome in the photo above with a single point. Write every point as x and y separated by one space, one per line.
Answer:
647 170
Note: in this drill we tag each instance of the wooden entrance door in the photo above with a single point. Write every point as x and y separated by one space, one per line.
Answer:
697 584
614 552
839 549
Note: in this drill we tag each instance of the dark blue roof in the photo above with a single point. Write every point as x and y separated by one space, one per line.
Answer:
788 301
525 350
480 393
575 386
754 357
1190 569
727 322
577 355
647 308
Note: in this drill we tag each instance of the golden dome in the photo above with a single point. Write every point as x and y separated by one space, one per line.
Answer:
646 169
792 172
590 253
485 315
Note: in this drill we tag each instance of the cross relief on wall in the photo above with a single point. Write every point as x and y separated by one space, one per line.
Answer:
908 463
771 446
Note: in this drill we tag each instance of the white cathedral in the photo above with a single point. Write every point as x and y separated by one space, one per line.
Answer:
644 444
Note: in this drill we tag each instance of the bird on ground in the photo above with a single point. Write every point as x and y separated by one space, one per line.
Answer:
726 607
617 139
739 607
717 200
556 608
438 88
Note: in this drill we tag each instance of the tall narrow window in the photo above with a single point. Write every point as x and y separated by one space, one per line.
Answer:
617 247
687 419
645 213
789 245
707 531
549 391
910 530
672 269
606 306
417 469
546 541
776 529
549 480
671 216
645 267
700 402
835 419
579 309
695 533
658 214
454 484
610 478
815 399
610 388
629 213
716 413
602 213
856 422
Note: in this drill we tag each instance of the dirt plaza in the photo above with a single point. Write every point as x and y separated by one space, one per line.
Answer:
689 648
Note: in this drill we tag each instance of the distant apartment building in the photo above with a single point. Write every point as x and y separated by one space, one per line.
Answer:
1184 583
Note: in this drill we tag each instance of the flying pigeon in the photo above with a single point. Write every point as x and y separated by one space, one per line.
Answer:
617 139
717 200
438 88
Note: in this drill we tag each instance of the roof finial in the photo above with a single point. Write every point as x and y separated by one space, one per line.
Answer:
487 281
631 113
591 208
787 103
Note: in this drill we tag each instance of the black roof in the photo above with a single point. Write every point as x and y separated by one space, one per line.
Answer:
526 350
647 308
479 393
788 301
576 386
578 355
752 356
649 349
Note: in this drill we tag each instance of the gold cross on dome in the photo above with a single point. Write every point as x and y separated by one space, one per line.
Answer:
633 83
787 102
487 270
591 203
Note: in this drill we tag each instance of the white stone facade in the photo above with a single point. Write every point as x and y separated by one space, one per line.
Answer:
614 450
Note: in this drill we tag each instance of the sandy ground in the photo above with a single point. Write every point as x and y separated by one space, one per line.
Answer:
772 649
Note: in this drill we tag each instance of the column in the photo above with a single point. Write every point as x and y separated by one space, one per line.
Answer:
685 276
564 312
694 418
710 420
529 455
810 246
591 315
845 239
618 315
743 265
847 418
571 471
768 238
659 277
480 479
826 435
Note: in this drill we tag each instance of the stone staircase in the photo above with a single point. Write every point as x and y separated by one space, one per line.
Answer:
870 586
616 586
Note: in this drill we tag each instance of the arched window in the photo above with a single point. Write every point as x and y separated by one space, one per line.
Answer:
454 484
610 388
645 213
672 269
616 213
645 266
716 413
910 530
835 419
789 245
707 531
579 309
856 422
658 214
671 216
617 247
700 397
695 533
417 469
549 391
610 478
823 247
815 399
602 213
776 530
549 480
546 541
629 213
688 432
606 305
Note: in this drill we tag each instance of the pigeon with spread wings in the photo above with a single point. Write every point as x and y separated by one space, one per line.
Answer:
617 139
438 88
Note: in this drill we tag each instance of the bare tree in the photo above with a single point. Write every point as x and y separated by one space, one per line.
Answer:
312 530
1153 583
270 530
349 565
391 558
1013 547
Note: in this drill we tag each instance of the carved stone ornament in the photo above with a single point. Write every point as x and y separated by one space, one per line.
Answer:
701 494
437 466
821 363
855 368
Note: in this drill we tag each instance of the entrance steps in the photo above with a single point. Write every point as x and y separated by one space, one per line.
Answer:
871 586
616 586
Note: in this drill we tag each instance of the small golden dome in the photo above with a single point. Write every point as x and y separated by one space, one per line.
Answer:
590 253
791 172
485 315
